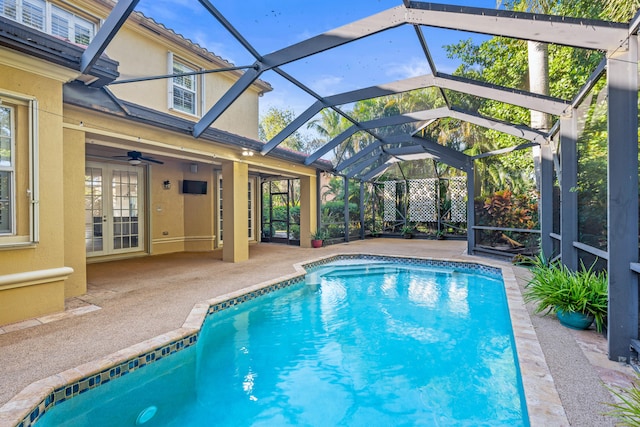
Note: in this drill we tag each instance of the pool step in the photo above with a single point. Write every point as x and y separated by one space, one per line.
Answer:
369 269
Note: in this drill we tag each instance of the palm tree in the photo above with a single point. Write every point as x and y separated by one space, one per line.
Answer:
620 10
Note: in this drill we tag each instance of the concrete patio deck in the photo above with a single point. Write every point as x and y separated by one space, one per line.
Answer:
133 300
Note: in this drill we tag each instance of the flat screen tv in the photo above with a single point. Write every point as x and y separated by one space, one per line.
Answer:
194 187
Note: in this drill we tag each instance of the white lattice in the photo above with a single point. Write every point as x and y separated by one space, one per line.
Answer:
457 193
389 197
423 200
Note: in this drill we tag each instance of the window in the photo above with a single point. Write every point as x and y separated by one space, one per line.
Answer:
33 13
48 18
70 27
60 23
184 89
18 170
7 170
8 8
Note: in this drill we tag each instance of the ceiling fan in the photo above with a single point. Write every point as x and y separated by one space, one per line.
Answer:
136 157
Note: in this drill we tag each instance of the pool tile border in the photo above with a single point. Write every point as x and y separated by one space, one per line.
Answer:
543 402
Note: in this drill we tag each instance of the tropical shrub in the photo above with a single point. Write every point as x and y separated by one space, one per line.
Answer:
555 287
627 408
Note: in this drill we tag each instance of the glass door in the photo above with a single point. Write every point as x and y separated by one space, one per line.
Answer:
251 203
113 209
281 211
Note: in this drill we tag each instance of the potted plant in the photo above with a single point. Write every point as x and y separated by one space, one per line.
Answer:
578 298
317 238
407 232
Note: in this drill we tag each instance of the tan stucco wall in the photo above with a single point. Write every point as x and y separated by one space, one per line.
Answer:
167 209
308 208
24 299
234 209
74 248
32 301
142 55
198 211
49 253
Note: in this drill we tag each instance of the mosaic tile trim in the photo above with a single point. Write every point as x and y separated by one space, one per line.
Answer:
85 384
215 308
69 391
461 266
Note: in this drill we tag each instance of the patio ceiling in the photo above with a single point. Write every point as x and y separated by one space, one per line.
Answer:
404 145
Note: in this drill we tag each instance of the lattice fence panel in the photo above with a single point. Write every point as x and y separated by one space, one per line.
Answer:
389 197
423 200
457 193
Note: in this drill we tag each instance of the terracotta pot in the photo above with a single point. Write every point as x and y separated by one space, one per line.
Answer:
316 243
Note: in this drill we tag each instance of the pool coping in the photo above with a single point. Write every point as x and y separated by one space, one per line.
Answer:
543 402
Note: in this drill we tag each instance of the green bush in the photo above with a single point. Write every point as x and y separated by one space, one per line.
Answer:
554 287
627 409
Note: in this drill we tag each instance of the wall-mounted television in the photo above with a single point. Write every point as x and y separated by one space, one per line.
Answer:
194 187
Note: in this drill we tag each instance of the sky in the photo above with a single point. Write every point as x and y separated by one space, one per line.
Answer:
270 25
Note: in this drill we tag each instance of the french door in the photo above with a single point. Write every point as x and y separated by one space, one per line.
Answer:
114 208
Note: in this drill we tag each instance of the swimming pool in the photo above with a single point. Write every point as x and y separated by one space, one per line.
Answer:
29 406
372 343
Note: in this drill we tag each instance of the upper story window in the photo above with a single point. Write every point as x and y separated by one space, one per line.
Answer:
183 88
46 17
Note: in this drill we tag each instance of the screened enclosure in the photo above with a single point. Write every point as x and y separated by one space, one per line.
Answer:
516 165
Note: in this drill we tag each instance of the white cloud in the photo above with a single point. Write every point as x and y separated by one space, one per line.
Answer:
283 100
326 84
413 67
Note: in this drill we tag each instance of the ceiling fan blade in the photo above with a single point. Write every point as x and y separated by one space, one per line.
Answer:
148 159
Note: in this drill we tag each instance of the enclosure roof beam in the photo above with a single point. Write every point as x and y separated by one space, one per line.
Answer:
348 33
375 172
320 99
230 28
520 131
238 88
330 145
371 124
345 98
445 154
505 150
590 84
589 34
363 165
520 98
532 101
373 24
359 155
634 24
562 30
106 33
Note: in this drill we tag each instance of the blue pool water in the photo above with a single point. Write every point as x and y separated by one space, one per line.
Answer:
355 345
